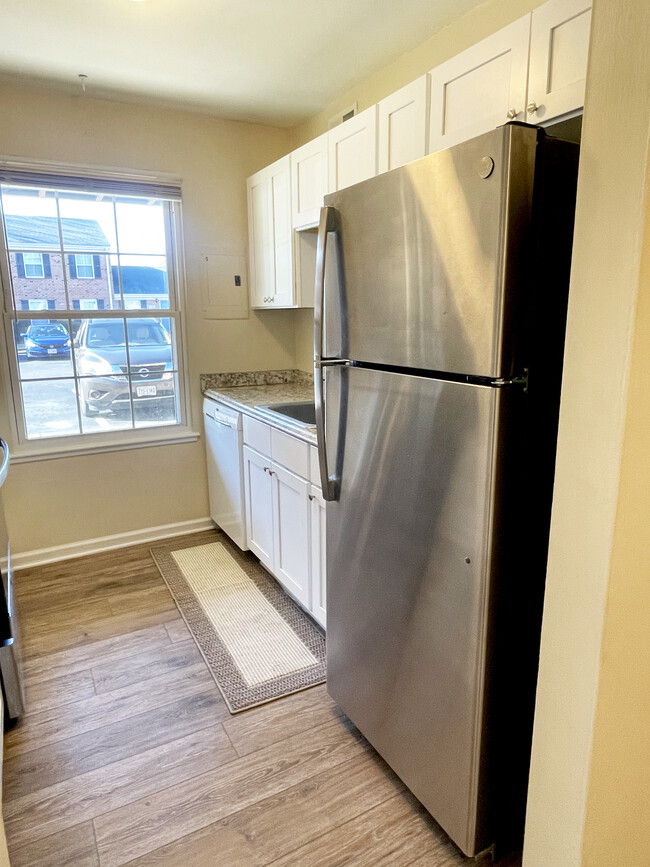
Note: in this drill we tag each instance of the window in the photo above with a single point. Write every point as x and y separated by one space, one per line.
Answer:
96 368
84 267
33 263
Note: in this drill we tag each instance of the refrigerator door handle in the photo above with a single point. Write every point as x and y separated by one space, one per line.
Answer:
330 485
329 222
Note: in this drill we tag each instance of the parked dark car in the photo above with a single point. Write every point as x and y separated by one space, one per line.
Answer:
101 354
47 339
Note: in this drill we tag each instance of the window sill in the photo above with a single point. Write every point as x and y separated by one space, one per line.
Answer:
45 452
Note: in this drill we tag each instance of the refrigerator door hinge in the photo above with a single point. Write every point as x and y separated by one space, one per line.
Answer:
515 380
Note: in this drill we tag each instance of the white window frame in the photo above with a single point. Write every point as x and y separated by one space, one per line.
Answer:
88 304
91 265
25 449
32 265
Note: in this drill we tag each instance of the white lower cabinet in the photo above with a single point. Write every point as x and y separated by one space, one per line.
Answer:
259 506
285 513
318 571
291 519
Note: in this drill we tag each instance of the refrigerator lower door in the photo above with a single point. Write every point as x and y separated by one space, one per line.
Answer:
409 580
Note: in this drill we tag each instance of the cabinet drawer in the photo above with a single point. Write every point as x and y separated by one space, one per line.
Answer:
290 452
257 435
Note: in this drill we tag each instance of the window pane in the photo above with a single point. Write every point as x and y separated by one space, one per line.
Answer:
50 408
105 403
158 408
152 372
86 224
37 279
141 226
100 347
43 348
30 219
145 285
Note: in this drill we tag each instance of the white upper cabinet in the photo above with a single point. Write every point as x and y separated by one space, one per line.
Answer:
280 195
308 182
402 125
559 47
534 70
480 88
260 251
352 150
270 236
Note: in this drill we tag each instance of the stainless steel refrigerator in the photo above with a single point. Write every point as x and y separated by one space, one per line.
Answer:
441 301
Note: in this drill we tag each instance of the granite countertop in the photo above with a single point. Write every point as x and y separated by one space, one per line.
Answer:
249 392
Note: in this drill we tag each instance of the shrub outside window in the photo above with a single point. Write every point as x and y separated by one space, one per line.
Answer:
88 358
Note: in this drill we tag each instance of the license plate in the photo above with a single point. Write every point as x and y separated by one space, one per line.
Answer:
145 390
51 351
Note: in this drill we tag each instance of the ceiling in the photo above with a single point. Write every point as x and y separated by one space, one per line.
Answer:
268 61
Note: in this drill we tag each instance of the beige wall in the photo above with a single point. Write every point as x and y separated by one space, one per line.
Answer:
56 502
617 830
589 783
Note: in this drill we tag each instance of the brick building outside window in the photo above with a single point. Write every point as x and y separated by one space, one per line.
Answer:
38 277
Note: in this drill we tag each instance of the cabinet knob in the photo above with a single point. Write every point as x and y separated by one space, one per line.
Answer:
532 107
512 113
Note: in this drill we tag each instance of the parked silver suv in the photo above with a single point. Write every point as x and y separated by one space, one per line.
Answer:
101 355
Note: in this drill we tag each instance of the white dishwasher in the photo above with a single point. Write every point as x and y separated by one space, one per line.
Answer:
223 446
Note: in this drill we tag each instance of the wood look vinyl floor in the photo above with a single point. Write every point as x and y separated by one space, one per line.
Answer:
128 754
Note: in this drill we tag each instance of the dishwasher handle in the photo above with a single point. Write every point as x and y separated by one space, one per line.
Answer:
224 420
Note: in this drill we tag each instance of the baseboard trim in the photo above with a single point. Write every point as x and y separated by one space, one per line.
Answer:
42 556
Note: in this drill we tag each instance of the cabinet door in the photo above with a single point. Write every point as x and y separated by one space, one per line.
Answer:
308 182
291 514
318 562
402 125
559 46
279 180
260 243
480 88
352 150
259 506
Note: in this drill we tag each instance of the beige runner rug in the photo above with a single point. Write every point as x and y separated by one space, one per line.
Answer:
257 642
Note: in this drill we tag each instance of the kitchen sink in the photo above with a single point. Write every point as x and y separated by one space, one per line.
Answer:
302 412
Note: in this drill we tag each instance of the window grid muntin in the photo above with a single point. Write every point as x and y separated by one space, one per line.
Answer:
173 238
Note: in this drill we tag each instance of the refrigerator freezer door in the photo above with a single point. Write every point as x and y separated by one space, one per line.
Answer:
434 257
408 579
